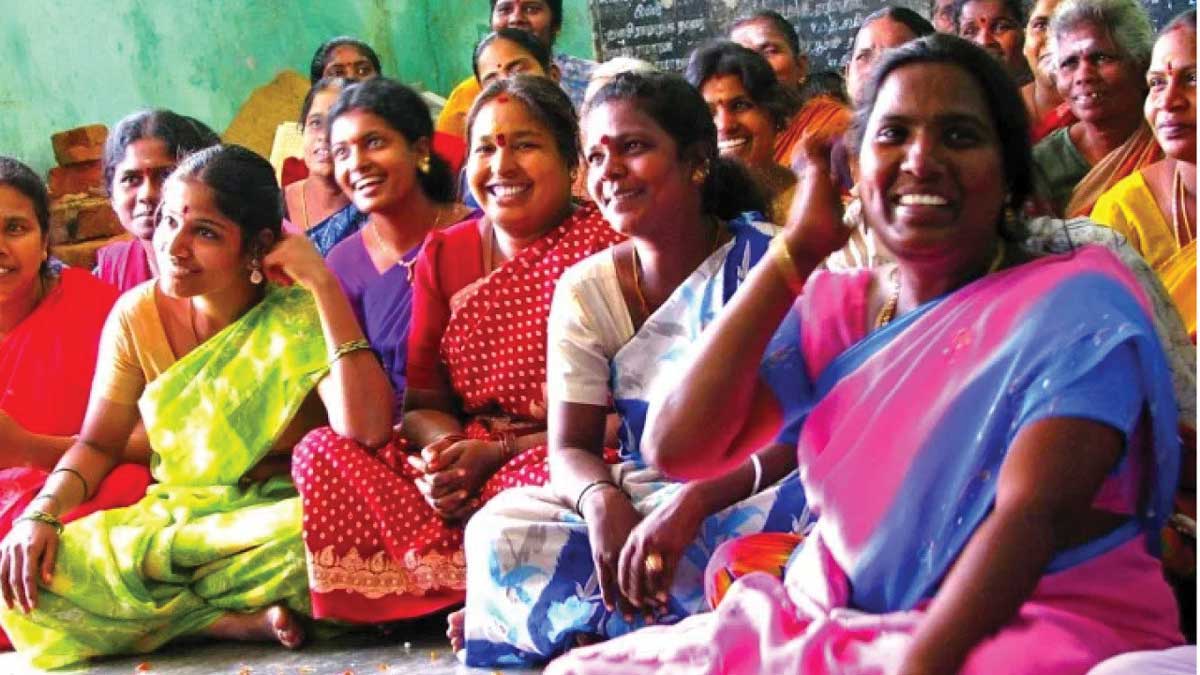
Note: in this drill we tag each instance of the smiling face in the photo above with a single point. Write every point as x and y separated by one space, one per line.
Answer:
636 174
745 131
316 135
1171 104
137 185
931 171
372 162
1101 84
349 63
990 24
199 250
515 170
760 36
502 59
1037 41
22 248
531 16
870 43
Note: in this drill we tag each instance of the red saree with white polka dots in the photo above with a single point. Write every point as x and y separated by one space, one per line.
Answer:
376 550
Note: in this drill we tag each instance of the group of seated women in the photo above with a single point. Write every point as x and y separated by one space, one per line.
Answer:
715 374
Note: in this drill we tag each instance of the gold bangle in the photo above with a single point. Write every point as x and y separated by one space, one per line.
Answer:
82 481
348 347
42 517
782 258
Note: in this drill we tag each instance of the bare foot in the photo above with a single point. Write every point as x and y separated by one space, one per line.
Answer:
456 629
272 624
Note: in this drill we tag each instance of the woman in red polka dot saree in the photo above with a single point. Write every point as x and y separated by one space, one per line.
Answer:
383 527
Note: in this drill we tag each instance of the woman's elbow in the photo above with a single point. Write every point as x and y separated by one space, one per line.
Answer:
369 430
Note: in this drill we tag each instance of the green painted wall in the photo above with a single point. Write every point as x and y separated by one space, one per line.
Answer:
66 63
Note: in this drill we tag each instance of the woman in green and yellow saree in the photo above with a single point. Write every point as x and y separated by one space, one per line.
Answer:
227 373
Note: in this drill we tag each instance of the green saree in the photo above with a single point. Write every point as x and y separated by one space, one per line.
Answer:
200 543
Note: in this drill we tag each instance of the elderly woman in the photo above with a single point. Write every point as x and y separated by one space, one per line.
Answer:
749 108
1101 50
986 492
1155 207
1047 110
140 152
998 27
769 34
603 549
51 324
227 373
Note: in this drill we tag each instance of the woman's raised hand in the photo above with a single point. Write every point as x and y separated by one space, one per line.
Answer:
294 259
27 552
814 227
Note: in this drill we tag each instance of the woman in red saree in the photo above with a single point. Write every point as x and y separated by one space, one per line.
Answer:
49 332
383 529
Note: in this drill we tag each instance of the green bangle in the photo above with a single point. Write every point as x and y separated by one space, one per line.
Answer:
42 517
348 347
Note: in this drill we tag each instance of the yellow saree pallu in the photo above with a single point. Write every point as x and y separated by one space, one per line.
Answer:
1130 209
1178 274
200 543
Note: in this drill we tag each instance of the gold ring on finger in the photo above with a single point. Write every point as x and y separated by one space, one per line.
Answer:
654 563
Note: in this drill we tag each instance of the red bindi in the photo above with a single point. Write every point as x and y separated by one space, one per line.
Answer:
501 140
605 140
502 98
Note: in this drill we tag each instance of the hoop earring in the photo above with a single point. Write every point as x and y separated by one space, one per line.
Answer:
256 275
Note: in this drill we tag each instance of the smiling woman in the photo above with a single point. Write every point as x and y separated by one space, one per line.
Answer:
49 333
749 107
379 141
964 470
474 407
206 338
602 548
317 204
1101 49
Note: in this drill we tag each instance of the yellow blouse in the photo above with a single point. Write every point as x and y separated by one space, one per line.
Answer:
1129 208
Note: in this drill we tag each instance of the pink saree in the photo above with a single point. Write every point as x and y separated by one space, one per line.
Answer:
1062 336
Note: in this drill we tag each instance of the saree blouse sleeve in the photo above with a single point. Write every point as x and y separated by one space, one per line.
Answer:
588 325
120 373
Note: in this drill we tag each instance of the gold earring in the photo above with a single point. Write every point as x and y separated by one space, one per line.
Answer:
256 276
424 164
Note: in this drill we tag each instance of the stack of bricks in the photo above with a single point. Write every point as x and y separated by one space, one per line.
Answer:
81 220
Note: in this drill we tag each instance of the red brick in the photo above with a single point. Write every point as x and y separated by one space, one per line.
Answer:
81 255
81 178
81 144
80 218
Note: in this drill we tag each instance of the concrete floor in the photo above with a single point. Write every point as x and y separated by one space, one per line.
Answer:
427 652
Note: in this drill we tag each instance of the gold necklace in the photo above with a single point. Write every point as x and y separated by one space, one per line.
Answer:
304 203
393 254
888 311
1183 235
637 281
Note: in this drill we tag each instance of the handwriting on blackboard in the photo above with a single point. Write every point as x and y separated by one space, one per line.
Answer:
665 31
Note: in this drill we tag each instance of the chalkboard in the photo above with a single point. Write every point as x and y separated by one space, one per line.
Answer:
665 31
